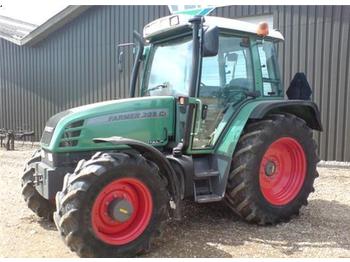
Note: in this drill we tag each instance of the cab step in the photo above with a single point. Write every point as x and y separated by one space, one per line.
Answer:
205 180
208 198
206 174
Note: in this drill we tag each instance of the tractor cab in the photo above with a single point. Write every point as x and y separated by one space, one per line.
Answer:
235 62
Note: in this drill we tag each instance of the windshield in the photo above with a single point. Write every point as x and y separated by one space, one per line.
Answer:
168 72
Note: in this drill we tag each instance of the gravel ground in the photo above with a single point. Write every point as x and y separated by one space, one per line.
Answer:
322 229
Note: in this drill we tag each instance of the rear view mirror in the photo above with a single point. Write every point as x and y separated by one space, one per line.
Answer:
211 42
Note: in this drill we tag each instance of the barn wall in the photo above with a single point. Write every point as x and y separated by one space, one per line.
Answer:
75 65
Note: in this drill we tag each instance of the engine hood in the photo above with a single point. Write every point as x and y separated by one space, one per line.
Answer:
148 119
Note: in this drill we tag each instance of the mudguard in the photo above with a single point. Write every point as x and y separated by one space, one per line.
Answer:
157 157
306 110
258 109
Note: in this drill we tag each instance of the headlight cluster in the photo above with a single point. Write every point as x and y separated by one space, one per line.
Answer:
46 155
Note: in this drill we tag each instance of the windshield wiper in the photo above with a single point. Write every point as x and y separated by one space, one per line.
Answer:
164 85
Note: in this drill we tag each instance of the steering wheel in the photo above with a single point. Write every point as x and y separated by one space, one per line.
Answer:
234 93
235 88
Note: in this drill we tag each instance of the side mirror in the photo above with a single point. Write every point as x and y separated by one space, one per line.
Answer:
211 41
146 50
120 61
121 54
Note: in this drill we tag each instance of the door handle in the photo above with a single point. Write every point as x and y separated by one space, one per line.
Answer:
204 111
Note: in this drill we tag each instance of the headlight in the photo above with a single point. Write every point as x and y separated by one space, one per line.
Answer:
49 157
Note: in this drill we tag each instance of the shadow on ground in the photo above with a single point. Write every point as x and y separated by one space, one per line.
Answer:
212 230
47 224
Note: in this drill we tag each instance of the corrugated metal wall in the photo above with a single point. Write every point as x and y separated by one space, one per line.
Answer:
317 42
74 66
78 64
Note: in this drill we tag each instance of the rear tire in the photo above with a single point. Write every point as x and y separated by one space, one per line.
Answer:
91 232
35 202
273 170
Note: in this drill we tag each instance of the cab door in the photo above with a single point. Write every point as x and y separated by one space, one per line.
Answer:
225 78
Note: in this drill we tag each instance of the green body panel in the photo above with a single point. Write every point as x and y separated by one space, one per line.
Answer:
147 119
227 144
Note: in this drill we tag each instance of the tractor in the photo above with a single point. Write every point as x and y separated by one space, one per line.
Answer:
207 119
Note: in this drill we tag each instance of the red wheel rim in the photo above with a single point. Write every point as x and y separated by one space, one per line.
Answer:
112 231
282 171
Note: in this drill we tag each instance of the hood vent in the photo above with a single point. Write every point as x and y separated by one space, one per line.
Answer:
71 134
75 124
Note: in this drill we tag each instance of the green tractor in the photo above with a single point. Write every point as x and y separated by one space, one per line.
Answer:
206 120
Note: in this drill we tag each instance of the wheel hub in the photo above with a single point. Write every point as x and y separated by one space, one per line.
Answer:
270 168
120 210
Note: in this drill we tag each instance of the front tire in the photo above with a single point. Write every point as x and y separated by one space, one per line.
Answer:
39 205
273 170
111 206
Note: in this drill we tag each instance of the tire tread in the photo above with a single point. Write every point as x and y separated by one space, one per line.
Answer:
239 194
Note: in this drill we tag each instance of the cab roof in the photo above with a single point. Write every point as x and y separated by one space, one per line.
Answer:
176 22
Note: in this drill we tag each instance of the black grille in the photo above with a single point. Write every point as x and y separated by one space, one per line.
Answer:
69 134
76 124
69 143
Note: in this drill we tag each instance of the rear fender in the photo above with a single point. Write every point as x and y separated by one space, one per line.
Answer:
256 109
306 110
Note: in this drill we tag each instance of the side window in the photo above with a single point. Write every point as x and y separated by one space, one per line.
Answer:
269 69
230 69
210 72
262 54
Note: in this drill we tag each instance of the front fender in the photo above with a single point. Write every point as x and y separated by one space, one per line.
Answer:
158 158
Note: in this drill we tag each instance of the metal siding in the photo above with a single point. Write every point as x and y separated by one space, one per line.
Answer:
77 64
317 43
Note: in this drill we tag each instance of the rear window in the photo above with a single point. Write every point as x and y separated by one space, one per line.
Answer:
269 69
